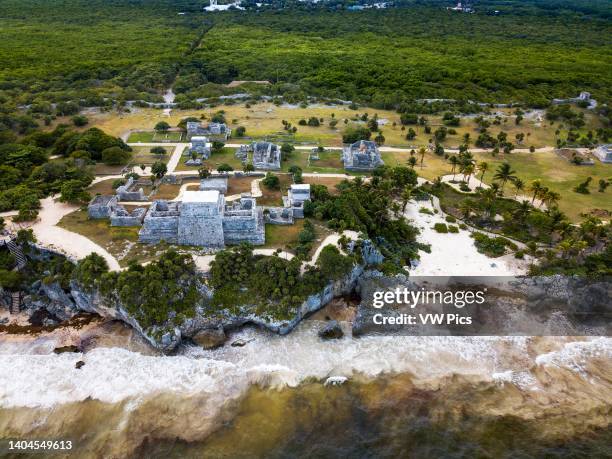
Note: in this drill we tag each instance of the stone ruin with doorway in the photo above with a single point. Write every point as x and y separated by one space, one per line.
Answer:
362 155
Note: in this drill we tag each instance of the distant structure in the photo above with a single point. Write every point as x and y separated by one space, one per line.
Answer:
464 6
362 155
216 7
194 128
214 183
266 156
293 206
200 146
296 196
101 206
604 153
242 153
130 191
203 219
584 96
107 207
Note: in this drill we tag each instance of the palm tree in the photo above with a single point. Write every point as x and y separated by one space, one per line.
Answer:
406 197
504 173
422 155
522 210
468 170
454 162
551 198
467 206
482 168
519 185
536 188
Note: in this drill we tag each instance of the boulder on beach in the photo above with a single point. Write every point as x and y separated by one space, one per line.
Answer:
331 331
210 338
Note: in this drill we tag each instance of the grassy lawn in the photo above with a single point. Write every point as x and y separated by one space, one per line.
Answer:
104 187
143 155
263 121
329 182
554 172
559 175
237 185
226 156
286 236
274 197
152 136
121 242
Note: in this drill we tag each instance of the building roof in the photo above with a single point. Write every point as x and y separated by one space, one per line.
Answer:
209 196
301 186
199 138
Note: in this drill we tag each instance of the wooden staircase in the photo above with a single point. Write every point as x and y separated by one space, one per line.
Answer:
16 251
15 306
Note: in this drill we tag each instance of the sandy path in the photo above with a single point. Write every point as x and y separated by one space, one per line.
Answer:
72 244
176 157
455 254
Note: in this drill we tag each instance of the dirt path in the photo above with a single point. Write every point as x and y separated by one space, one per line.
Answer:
72 244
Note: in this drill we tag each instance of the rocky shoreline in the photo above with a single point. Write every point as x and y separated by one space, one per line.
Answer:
51 305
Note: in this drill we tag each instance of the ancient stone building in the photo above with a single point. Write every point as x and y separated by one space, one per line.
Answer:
604 153
362 155
194 128
203 219
131 191
214 183
101 206
200 146
266 155
120 216
297 194
200 220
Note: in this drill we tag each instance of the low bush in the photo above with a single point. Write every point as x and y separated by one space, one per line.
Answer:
425 210
450 219
453 229
441 228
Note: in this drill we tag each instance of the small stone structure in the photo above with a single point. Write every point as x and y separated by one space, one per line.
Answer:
128 192
194 128
200 146
362 155
604 153
203 219
120 216
266 155
297 194
242 153
214 183
101 206
293 206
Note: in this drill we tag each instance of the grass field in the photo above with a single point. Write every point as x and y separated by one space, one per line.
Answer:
263 121
226 156
121 242
152 136
554 172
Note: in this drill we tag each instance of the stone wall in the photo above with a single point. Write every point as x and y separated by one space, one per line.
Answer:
200 224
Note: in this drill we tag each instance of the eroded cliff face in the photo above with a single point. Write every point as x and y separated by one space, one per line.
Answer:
62 304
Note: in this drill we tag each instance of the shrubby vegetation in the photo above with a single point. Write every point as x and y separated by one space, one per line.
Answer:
275 287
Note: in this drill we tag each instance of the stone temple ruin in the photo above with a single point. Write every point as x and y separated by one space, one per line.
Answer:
362 155
203 218
293 206
266 155
131 191
194 128
101 207
200 146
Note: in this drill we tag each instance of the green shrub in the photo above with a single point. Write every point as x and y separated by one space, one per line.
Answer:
463 226
453 229
425 210
441 227
519 254
450 219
